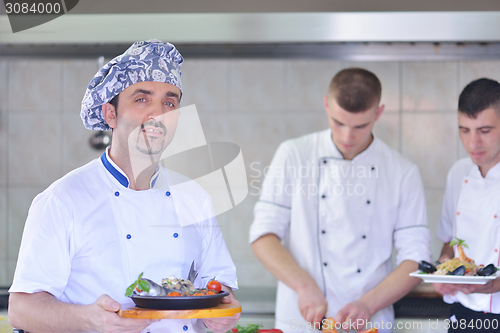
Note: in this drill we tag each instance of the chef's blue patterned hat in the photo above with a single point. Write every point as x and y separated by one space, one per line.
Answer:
150 60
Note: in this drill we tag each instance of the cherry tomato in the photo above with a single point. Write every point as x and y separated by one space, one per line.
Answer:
174 293
210 292
214 285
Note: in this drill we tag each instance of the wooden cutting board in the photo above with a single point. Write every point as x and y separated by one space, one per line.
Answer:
222 310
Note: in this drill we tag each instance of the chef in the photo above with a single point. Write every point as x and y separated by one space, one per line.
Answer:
471 209
91 233
333 206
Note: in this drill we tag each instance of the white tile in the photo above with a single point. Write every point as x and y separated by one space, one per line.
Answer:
225 222
387 128
252 273
19 199
257 135
388 74
76 150
205 83
240 228
3 147
308 82
258 86
11 268
3 121
475 69
430 86
77 74
434 200
429 140
3 225
3 275
297 125
34 152
35 85
3 84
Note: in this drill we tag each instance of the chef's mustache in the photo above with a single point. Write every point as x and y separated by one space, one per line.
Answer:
154 123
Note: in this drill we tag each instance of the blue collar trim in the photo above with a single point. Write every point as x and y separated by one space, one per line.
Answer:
112 170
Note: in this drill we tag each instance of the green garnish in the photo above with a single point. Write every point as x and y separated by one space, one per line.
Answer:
140 284
250 328
458 241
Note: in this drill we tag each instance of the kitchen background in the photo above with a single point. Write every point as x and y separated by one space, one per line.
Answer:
257 72
255 103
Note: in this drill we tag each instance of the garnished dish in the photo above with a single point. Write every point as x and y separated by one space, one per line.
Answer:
461 269
170 286
175 294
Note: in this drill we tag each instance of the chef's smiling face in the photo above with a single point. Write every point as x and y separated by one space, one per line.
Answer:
146 117
351 131
481 138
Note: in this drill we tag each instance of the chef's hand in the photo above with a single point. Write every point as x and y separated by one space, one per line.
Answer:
223 324
488 288
444 288
312 304
105 319
353 315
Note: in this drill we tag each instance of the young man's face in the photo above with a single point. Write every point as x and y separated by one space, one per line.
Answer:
351 132
481 138
146 117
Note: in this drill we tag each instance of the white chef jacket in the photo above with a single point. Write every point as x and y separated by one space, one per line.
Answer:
471 211
340 219
88 234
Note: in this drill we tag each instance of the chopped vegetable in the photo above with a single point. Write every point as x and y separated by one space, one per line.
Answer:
250 328
174 293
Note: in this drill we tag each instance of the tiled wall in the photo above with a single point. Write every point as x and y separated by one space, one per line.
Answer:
254 103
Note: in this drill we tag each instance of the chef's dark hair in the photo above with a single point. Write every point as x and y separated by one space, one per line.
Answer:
355 89
478 96
114 102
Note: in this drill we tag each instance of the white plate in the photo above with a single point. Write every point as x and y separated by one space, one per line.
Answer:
431 278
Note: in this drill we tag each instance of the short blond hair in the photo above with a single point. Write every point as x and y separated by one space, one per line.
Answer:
355 89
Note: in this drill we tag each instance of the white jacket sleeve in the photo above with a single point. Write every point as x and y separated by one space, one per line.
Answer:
272 211
412 235
446 223
44 262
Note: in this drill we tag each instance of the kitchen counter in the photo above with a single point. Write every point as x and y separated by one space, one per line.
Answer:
421 302
421 311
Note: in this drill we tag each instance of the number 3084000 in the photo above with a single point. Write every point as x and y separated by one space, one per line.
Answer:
472 324
34 8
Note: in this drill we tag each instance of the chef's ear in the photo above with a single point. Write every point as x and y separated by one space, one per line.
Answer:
109 114
379 111
325 102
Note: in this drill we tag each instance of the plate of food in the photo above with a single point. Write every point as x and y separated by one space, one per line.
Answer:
178 302
459 270
175 294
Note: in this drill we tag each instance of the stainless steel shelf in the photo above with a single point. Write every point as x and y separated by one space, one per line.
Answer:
338 51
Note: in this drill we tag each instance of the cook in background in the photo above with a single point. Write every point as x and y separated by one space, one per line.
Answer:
333 206
471 205
92 232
